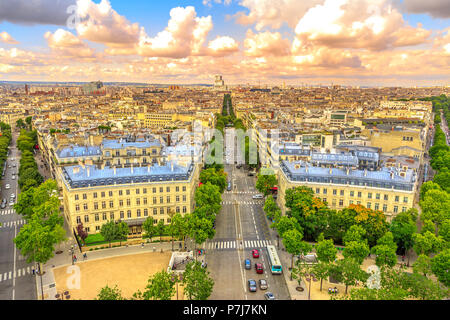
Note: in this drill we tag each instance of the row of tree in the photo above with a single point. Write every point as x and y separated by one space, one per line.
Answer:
29 175
5 141
197 285
24 124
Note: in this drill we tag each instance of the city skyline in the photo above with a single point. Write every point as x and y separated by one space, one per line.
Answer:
346 42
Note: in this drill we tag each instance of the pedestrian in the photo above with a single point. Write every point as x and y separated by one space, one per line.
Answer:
403 258
32 270
85 256
180 245
75 258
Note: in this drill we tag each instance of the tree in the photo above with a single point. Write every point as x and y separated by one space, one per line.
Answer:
385 251
403 226
200 229
435 206
428 225
422 265
326 254
444 231
122 230
270 207
28 121
160 229
349 272
357 250
20 123
440 265
109 231
355 233
208 195
160 286
149 228
180 226
292 240
198 284
215 177
265 183
107 293
302 270
285 224
82 233
427 243
374 222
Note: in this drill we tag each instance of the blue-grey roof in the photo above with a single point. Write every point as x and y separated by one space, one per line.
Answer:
106 176
78 151
297 171
332 158
117 144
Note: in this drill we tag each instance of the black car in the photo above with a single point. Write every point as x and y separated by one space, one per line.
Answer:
252 285
251 174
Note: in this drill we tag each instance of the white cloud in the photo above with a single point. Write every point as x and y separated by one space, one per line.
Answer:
6 38
265 43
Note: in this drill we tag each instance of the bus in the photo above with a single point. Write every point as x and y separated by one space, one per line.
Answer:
274 260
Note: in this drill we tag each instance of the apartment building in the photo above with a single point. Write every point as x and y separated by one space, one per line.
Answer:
94 196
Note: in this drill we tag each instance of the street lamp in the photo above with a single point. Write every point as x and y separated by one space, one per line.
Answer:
71 250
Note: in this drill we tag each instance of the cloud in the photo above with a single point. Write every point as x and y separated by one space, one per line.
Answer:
435 8
265 44
67 44
6 38
222 46
35 12
100 23
358 24
273 13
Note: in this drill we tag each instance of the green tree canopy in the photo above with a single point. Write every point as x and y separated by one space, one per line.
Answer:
198 285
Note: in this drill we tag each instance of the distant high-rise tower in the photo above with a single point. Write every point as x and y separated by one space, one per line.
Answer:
219 83
26 89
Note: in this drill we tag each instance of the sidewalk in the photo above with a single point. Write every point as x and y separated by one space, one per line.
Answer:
65 259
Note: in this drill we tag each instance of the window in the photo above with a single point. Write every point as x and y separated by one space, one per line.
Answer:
138 191
168 220
155 211
144 190
128 202
369 205
85 207
154 200
369 195
111 215
77 207
358 202
184 188
341 203
103 194
168 189
359 194
405 199
120 192
121 215
317 190
78 219
342 192
154 190
120 203
129 213
97 228
145 212
168 199
161 210
184 210
95 195
352 193
76 197
177 189
111 204
138 212
377 196
144 152
324 190
395 209
177 210
86 218
334 192
138 202
95 205
110 193
161 189
177 198
386 197
161 200
103 204
162 220
96 217
333 202
377 206
350 202
384 207
84 196
397 198
104 216
145 200
88 229
117 153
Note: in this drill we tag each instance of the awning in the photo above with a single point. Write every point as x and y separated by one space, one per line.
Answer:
135 222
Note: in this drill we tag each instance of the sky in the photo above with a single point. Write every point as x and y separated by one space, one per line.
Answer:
267 42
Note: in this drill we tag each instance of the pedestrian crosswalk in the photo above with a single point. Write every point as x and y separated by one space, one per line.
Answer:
9 275
234 244
11 224
242 202
6 212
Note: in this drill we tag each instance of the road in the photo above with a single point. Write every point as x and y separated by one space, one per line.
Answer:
16 279
241 226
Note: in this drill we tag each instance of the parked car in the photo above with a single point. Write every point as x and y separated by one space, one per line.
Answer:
11 203
250 174
258 196
4 201
252 285
7 186
229 186
263 284
259 268
13 195
13 177
3 205
248 265
255 253
269 296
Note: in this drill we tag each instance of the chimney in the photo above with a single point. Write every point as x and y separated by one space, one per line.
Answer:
365 172
148 168
348 171
392 175
88 171
114 170
132 169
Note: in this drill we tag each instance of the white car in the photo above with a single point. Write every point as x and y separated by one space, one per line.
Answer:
11 203
258 196
13 177
13 195
7 186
